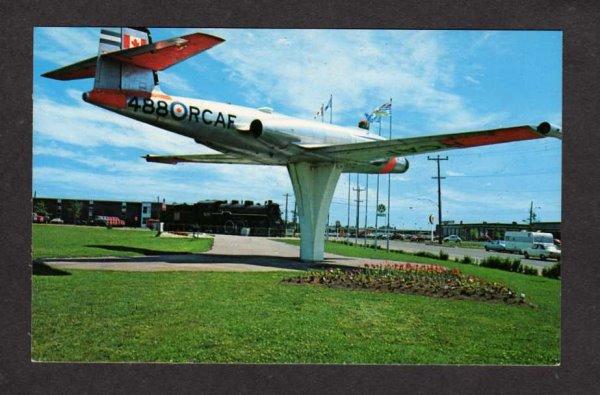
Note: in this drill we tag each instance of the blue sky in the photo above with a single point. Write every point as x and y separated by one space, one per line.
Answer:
440 81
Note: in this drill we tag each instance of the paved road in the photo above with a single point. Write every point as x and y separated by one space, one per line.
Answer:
456 252
229 253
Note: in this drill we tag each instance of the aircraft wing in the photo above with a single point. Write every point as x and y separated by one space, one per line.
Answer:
418 145
202 158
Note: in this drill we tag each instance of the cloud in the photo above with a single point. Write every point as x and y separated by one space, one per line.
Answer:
63 46
175 82
472 80
85 125
360 69
454 173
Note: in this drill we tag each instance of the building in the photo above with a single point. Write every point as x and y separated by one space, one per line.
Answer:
213 216
495 230
80 211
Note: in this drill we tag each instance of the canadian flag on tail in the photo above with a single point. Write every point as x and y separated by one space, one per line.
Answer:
130 41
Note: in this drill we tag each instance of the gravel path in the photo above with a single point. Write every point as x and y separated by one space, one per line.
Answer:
229 253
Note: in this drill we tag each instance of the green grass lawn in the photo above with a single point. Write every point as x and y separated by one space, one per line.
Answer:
254 318
61 241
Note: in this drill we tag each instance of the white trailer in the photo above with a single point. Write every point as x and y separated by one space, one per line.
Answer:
520 241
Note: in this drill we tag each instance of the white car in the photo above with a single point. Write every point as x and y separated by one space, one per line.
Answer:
454 238
542 251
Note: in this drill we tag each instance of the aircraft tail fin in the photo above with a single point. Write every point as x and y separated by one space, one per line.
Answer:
112 73
128 59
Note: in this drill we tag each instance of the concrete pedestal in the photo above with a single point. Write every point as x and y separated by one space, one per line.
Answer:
314 185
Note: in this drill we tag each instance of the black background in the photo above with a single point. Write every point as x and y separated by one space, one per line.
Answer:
578 371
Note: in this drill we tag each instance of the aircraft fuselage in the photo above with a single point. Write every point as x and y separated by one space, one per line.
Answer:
261 134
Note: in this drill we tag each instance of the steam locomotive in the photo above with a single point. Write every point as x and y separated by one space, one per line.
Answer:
219 216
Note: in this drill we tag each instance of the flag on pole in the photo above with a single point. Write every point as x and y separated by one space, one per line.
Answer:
328 105
319 113
372 117
324 108
383 110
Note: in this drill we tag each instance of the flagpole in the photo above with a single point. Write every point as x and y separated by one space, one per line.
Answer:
389 187
377 197
322 115
331 108
366 206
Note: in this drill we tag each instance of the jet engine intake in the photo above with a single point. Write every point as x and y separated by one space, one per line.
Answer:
546 128
256 128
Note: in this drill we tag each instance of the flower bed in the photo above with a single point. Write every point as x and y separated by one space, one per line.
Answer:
428 280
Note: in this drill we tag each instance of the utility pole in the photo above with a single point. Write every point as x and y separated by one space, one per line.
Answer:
387 241
439 179
531 214
358 190
294 213
286 212
377 198
366 207
349 188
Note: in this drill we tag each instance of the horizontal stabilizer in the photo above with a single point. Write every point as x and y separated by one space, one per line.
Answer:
156 56
76 71
202 158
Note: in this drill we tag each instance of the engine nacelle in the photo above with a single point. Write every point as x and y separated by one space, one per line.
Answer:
272 132
547 129
397 164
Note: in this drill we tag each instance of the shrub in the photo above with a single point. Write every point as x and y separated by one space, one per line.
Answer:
497 262
443 256
467 260
516 266
529 270
426 254
552 271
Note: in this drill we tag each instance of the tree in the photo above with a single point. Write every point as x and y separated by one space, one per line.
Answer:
473 233
40 208
76 210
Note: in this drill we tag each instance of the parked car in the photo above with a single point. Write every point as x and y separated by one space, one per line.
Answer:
104 220
39 219
417 238
495 245
453 238
381 235
542 251
57 221
400 236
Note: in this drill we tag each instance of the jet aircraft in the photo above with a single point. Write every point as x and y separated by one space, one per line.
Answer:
125 73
